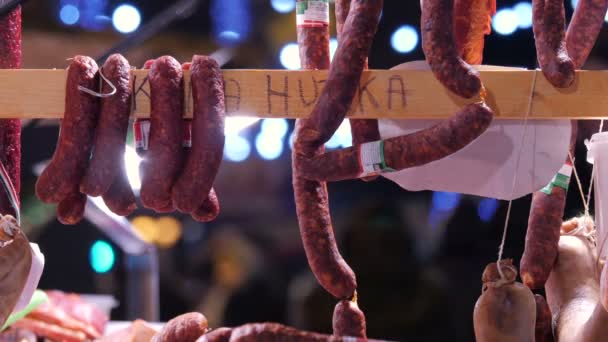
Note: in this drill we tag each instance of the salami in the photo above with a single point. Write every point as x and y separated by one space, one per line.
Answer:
548 25
61 178
271 332
543 330
107 161
398 153
544 223
164 157
10 129
216 335
441 52
205 156
120 198
362 130
349 320
183 328
584 28
71 209
312 206
209 210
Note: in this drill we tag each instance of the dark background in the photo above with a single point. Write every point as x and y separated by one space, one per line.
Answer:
418 256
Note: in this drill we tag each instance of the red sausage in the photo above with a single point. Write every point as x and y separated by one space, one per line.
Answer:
543 330
544 224
550 39
349 320
111 131
440 49
120 198
362 130
274 332
164 157
205 155
209 210
71 209
415 149
584 27
312 206
62 176
216 335
10 130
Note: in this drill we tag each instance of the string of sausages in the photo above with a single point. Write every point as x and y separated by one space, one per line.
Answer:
89 157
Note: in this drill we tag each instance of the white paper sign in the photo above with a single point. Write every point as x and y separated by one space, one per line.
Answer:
486 167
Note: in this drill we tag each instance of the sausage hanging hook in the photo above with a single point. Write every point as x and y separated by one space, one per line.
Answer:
97 94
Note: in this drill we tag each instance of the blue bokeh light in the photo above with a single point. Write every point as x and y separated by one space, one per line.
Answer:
269 147
523 10
237 148
505 22
405 39
231 21
445 201
275 128
102 256
487 209
69 14
126 18
283 6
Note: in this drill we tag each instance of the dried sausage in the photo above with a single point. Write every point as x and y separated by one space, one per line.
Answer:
62 176
120 198
10 129
183 328
204 157
362 130
216 335
543 330
440 49
398 153
349 320
312 206
164 157
548 25
71 209
110 134
544 223
584 27
274 332
209 210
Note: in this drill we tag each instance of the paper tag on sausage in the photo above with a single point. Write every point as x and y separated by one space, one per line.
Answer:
372 158
561 179
312 13
141 132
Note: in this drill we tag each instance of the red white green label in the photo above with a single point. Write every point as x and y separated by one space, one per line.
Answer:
312 13
372 160
561 179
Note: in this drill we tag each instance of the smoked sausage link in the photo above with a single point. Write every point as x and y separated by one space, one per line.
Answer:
274 332
209 210
584 27
71 209
164 157
183 328
65 171
544 224
548 25
120 198
205 156
349 320
415 149
111 131
543 330
440 49
216 335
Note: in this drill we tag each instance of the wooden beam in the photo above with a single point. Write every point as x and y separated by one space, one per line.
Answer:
395 94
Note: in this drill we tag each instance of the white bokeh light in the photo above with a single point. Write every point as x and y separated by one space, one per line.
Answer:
283 6
290 56
505 22
126 18
405 39
523 10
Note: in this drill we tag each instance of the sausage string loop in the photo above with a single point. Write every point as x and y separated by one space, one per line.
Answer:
97 94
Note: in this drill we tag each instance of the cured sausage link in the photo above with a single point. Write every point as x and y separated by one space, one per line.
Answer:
440 49
112 127
274 332
312 202
61 178
205 155
71 209
398 153
548 25
209 210
164 157
349 320
10 130
216 335
544 224
344 74
584 27
543 331
362 130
